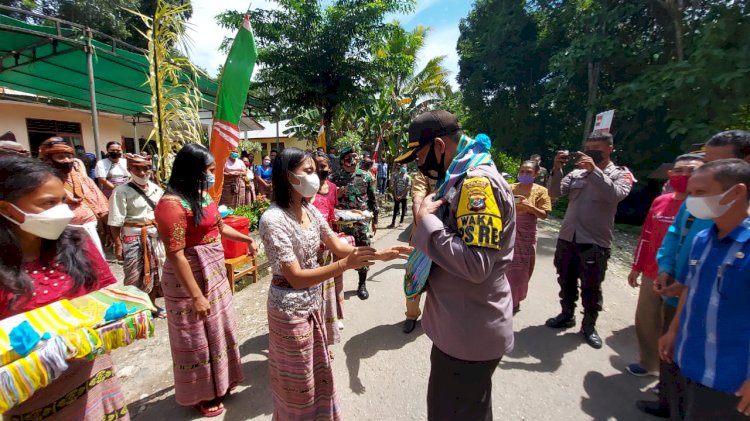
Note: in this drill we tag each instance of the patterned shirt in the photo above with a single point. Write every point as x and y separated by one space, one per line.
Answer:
401 185
176 225
359 190
713 343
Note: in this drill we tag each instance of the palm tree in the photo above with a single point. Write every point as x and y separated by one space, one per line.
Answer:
406 89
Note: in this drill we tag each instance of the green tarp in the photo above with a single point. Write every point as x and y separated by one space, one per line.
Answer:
51 62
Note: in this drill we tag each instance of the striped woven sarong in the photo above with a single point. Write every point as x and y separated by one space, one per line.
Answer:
205 353
133 265
298 359
87 391
233 191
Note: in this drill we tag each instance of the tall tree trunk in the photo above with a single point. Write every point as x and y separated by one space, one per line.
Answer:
677 21
327 120
594 71
675 10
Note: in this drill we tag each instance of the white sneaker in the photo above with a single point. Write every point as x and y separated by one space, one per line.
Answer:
340 324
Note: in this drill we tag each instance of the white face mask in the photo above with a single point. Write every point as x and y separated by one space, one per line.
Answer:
139 180
49 224
708 207
308 186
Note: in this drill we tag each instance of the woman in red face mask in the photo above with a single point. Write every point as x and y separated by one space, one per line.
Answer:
660 217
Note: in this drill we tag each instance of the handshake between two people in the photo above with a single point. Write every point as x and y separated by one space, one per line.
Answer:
361 257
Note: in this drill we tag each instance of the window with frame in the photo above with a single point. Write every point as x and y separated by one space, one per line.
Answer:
40 130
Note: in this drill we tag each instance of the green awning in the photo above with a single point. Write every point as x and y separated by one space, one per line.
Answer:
51 61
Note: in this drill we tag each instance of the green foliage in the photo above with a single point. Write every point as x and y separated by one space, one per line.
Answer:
175 96
315 54
533 73
252 212
110 17
506 163
352 139
249 146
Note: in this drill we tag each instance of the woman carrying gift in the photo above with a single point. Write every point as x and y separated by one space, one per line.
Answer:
42 262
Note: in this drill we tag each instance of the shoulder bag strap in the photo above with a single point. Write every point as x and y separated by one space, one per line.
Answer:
142 194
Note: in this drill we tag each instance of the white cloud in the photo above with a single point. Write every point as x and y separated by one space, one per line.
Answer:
207 35
442 42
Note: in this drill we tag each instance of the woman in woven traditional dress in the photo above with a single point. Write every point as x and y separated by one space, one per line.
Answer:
532 203
233 191
42 263
200 312
292 231
333 289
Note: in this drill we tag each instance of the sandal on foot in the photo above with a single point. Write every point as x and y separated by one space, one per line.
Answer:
205 408
160 313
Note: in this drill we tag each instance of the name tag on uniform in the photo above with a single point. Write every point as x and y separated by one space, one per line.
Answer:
478 216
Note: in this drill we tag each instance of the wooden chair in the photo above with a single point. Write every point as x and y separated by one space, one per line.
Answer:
239 267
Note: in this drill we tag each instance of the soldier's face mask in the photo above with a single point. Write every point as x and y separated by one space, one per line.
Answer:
431 168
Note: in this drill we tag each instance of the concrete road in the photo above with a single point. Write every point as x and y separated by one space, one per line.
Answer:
381 373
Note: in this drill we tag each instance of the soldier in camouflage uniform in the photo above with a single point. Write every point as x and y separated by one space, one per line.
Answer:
356 191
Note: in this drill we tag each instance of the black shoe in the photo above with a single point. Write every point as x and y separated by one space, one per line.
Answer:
592 338
362 291
561 321
652 408
409 325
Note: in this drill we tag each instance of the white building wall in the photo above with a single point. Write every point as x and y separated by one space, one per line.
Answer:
13 117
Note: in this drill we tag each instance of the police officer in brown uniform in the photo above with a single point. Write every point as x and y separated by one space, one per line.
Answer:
583 246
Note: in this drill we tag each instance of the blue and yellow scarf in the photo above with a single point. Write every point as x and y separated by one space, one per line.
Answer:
471 154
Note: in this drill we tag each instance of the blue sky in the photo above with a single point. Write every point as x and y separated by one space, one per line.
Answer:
442 16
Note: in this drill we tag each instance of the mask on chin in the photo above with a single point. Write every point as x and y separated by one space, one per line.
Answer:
431 166
141 181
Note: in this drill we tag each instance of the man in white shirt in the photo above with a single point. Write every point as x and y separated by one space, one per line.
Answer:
131 216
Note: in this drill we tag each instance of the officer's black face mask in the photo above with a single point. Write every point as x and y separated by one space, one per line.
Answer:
595 155
431 165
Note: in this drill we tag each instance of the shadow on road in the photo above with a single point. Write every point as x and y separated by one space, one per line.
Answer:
543 344
405 235
613 397
368 343
256 399
546 246
621 341
400 266
253 400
